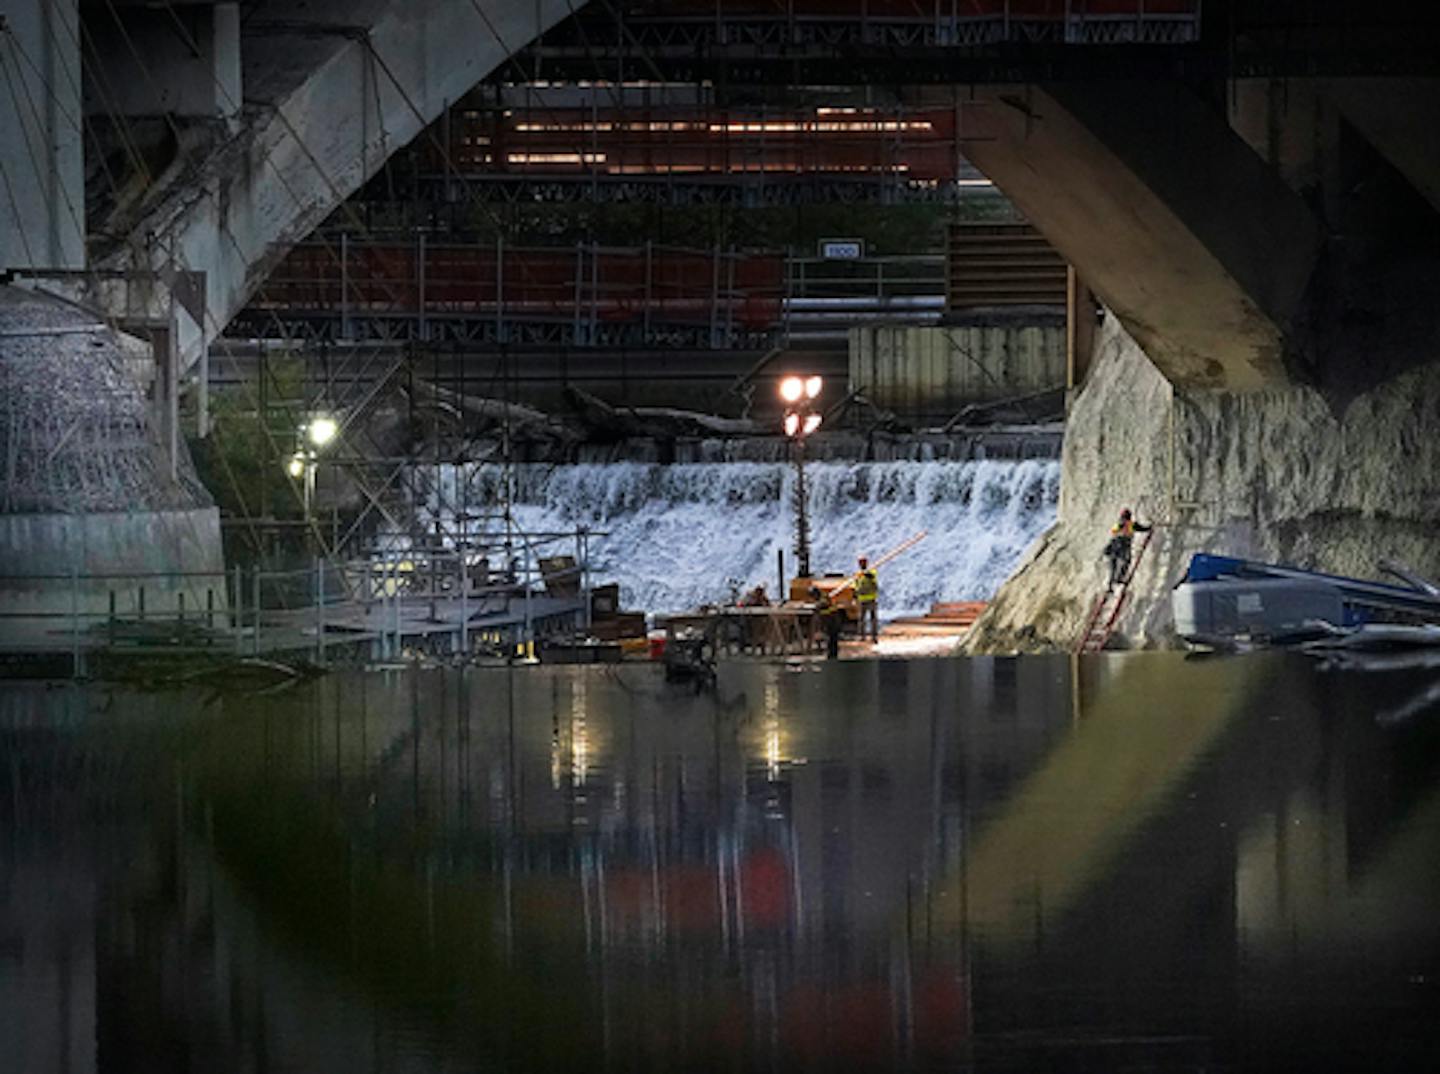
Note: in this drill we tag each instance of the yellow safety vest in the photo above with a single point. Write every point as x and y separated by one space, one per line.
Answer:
867 588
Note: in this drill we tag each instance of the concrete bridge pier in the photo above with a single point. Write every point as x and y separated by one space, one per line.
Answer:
184 63
1399 117
42 166
1180 227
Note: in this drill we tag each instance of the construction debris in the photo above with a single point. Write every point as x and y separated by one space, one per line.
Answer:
653 421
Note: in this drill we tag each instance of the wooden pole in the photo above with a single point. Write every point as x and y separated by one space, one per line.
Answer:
886 558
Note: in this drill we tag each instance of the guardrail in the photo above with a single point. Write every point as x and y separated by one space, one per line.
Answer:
586 296
246 613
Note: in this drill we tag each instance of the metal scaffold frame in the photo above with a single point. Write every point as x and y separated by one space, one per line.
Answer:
491 294
442 192
661 29
425 535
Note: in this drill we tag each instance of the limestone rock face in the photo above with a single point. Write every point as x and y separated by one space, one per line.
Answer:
1272 475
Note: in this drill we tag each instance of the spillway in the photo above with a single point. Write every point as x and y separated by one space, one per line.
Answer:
675 535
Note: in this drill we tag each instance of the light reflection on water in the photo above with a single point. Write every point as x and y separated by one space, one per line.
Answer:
1025 864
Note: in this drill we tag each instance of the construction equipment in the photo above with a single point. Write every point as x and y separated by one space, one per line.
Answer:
1105 613
690 653
838 587
1222 599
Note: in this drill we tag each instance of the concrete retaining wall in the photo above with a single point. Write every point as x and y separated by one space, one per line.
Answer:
59 572
927 373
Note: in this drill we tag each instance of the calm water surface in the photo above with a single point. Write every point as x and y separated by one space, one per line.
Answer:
1130 863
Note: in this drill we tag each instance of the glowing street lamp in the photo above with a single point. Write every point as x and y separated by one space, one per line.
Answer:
319 432
800 395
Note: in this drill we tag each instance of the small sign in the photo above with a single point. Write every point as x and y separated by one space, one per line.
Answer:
842 249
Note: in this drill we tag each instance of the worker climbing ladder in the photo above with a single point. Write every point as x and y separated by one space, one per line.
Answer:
1108 605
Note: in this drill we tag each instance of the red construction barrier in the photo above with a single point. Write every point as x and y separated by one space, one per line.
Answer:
607 285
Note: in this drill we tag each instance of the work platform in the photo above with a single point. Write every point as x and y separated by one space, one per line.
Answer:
209 623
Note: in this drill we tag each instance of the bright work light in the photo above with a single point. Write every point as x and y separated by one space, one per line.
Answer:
791 389
323 430
813 386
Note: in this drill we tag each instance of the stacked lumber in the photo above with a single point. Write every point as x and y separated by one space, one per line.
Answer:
944 617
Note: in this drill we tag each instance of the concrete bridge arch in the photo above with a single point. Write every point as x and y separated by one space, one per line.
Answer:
227 131
221 132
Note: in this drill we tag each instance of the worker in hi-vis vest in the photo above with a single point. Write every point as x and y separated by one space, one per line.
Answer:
1117 551
867 595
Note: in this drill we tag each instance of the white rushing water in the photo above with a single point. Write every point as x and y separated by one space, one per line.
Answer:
676 533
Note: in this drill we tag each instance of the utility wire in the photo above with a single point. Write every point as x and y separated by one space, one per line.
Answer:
39 128
129 144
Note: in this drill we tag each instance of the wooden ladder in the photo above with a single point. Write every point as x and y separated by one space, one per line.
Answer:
1109 604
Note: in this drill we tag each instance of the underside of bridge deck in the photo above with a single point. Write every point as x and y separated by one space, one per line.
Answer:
1179 226
1242 189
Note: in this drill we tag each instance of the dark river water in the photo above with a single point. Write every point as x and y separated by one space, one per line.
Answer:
1130 863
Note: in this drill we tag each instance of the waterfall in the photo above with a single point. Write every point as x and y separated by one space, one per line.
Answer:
674 534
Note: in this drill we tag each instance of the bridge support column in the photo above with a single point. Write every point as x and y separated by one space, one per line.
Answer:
42 165
1399 117
1185 233
1362 153
180 61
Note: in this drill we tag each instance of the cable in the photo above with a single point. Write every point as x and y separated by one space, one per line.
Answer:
225 231
304 148
20 228
300 203
39 126
127 139
122 125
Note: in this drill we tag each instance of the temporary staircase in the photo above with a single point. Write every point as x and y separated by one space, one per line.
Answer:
1108 605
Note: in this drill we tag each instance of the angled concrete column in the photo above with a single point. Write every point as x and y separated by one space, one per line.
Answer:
42 166
358 82
1400 117
1175 222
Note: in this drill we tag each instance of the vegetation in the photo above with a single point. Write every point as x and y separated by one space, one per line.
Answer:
242 461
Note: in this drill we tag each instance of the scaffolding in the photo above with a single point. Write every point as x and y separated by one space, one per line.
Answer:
430 544
659 29
638 140
491 294
77 433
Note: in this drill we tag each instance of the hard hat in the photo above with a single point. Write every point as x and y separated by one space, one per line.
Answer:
864 561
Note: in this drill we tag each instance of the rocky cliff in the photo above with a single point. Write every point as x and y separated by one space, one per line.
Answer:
1274 475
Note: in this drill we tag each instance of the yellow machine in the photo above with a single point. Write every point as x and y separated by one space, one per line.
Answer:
840 588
